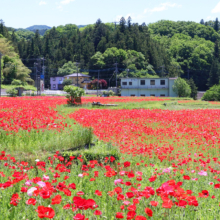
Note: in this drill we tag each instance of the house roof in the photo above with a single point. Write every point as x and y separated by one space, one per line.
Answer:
79 74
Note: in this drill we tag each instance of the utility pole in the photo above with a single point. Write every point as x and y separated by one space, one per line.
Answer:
127 72
116 72
77 64
98 84
0 74
162 70
43 68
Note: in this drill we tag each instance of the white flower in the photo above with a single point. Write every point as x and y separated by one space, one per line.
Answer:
37 160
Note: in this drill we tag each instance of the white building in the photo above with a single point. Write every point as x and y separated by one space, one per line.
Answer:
147 87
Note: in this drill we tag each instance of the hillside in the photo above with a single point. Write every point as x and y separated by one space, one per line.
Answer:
38 27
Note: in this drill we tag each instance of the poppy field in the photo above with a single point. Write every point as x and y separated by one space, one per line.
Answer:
168 169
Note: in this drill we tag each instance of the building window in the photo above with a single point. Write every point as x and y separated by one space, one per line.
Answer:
54 78
132 95
142 95
152 94
162 95
142 82
54 86
152 82
124 83
162 82
130 83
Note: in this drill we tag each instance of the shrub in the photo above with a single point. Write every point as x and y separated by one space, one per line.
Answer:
181 88
67 82
16 82
213 94
111 93
12 92
73 93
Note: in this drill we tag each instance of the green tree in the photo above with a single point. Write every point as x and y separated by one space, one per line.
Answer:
67 69
181 88
216 50
213 94
67 82
194 89
214 74
216 25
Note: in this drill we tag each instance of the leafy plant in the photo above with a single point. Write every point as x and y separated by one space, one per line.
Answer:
73 93
213 94
12 92
181 88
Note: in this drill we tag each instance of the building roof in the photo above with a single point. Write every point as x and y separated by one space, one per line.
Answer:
79 75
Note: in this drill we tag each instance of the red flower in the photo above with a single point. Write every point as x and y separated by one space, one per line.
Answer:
97 212
154 203
149 212
31 201
181 203
45 212
15 199
119 215
79 217
140 217
152 179
129 195
186 177
131 214
127 164
56 200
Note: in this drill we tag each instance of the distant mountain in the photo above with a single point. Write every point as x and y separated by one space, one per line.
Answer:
38 27
80 26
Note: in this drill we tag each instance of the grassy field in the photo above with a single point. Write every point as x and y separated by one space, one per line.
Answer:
147 158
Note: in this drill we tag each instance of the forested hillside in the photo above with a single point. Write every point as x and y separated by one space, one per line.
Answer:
186 49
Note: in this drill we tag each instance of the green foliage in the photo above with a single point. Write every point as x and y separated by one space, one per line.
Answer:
213 94
12 92
214 75
67 69
194 89
181 88
67 82
73 93
111 93
16 82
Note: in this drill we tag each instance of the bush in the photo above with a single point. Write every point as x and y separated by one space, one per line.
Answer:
73 93
12 92
213 94
111 93
67 82
181 88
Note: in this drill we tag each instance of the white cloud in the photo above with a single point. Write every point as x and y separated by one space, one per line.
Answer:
162 7
42 3
66 2
216 9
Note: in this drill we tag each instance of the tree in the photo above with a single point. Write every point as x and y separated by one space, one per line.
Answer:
214 74
129 22
216 50
213 94
122 24
67 82
216 25
181 88
202 22
194 89
102 84
67 69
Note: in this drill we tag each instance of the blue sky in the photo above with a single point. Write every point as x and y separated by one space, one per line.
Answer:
25 13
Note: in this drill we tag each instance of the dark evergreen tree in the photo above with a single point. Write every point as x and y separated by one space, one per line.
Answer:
216 24
129 22
194 89
216 50
214 74
122 24
202 22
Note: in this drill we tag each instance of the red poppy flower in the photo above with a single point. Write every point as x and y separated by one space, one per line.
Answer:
149 212
119 215
154 203
140 217
56 200
31 201
97 212
45 212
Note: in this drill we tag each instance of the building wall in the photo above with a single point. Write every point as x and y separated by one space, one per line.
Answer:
80 79
132 86
144 92
55 81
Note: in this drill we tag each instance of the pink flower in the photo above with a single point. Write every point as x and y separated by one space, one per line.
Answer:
195 179
31 190
28 183
202 173
211 183
41 184
126 202
193 171
45 178
80 175
118 181
166 170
